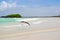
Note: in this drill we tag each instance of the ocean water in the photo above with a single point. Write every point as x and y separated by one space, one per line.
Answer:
7 20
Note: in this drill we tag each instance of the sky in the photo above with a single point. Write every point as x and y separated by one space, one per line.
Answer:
30 7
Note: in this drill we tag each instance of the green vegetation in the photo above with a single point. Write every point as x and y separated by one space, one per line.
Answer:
12 16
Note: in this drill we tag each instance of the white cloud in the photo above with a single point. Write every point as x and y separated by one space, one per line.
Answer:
4 5
12 5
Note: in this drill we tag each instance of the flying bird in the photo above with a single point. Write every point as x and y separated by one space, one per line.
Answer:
25 22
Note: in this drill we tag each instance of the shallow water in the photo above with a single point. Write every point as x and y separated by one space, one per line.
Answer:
6 20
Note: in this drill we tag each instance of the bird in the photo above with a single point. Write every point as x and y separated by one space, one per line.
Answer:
25 22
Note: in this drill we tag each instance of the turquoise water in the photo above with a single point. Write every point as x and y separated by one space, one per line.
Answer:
7 20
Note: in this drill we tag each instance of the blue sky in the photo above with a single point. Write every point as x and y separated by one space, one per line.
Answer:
30 7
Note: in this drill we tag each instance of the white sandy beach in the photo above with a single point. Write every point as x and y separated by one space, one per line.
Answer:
41 29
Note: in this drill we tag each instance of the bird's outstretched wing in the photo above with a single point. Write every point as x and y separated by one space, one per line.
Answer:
25 22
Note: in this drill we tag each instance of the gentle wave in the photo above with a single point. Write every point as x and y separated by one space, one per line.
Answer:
9 20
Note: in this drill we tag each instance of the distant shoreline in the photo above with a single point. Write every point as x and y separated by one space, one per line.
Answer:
40 16
30 17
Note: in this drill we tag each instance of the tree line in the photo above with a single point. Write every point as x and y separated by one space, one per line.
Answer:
12 16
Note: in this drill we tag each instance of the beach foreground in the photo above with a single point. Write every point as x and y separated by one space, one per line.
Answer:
41 29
